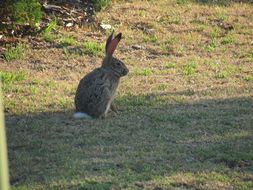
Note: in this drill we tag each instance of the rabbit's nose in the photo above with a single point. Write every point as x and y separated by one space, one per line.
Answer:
125 71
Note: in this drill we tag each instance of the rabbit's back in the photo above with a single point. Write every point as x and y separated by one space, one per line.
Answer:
95 92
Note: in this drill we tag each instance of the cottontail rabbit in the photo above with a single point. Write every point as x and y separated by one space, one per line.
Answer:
96 90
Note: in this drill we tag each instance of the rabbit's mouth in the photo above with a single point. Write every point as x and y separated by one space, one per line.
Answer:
125 72
120 73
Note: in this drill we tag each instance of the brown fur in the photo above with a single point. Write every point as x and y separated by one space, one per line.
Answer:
97 89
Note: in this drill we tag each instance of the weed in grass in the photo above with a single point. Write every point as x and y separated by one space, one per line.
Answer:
167 44
170 65
150 38
162 87
171 40
213 65
67 41
142 13
50 83
50 27
49 37
167 48
189 68
48 34
226 72
222 16
93 48
221 75
63 102
248 78
14 52
200 25
251 54
143 72
215 32
35 82
33 90
175 19
228 39
12 77
211 46
66 51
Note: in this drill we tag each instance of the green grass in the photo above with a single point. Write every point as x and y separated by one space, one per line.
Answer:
11 77
48 33
189 68
93 48
144 72
67 41
174 19
100 4
248 78
170 65
211 46
228 39
221 75
14 52
214 33
150 38
251 54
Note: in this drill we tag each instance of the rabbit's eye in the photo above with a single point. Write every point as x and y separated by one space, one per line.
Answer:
118 63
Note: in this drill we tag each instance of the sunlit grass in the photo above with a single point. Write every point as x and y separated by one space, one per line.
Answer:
14 52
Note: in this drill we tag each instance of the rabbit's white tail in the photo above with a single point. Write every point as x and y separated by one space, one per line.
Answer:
81 115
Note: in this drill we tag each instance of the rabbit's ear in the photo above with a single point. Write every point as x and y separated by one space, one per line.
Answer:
108 41
113 44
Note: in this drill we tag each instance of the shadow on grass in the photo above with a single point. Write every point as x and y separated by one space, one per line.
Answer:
222 2
53 151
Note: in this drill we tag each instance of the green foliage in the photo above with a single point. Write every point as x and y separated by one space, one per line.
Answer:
150 38
99 4
211 46
67 41
214 33
93 48
143 72
251 54
221 75
14 52
189 68
50 26
170 65
248 78
10 77
228 39
23 11
176 19
47 34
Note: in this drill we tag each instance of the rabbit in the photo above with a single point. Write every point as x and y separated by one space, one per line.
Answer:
96 90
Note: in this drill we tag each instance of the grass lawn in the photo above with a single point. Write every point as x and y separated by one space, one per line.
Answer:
185 118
